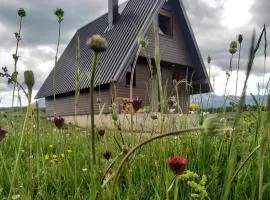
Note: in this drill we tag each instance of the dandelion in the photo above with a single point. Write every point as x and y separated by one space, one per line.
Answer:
46 157
177 164
58 121
193 106
3 133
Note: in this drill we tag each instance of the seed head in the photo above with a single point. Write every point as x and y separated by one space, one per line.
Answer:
240 38
21 12
59 13
97 43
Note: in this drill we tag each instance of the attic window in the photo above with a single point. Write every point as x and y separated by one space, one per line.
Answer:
165 24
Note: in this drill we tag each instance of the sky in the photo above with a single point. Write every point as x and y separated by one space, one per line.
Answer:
215 24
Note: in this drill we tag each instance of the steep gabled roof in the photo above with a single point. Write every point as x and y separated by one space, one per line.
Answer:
135 19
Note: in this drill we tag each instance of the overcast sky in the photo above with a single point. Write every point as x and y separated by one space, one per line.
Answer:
215 23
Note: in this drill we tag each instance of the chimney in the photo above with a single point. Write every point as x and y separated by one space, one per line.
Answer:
113 12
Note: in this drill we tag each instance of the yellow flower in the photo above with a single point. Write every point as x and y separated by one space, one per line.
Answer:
69 151
194 106
62 155
51 146
54 156
46 157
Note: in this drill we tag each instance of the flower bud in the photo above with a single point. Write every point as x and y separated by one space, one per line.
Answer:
107 154
101 132
58 121
21 12
97 43
29 79
240 38
2 133
59 14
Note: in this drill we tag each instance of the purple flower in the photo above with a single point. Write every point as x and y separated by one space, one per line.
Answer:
2 133
177 164
58 121
137 104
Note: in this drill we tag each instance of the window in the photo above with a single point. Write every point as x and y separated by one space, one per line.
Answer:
128 78
165 24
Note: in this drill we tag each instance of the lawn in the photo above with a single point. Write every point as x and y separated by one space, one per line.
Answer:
57 164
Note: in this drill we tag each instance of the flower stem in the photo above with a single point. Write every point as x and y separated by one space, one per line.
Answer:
18 155
91 108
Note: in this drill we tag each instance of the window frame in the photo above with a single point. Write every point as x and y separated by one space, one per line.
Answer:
166 13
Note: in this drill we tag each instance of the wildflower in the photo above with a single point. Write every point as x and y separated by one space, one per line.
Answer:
62 155
97 43
2 133
177 164
101 131
233 47
58 121
227 132
240 38
59 14
69 151
84 170
46 157
54 156
29 79
137 104
212 125
50 146
21 12
107 155
193 106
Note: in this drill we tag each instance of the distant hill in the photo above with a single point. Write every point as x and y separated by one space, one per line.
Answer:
218 101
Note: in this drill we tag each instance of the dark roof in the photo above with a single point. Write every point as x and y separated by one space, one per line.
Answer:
134 20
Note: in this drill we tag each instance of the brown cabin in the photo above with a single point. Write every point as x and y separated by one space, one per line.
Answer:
122 26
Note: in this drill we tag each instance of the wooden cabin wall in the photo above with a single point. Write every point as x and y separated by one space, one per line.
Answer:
65 106
142 85
173 48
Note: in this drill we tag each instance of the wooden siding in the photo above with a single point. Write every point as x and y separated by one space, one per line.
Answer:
173 48
65 106
142 81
